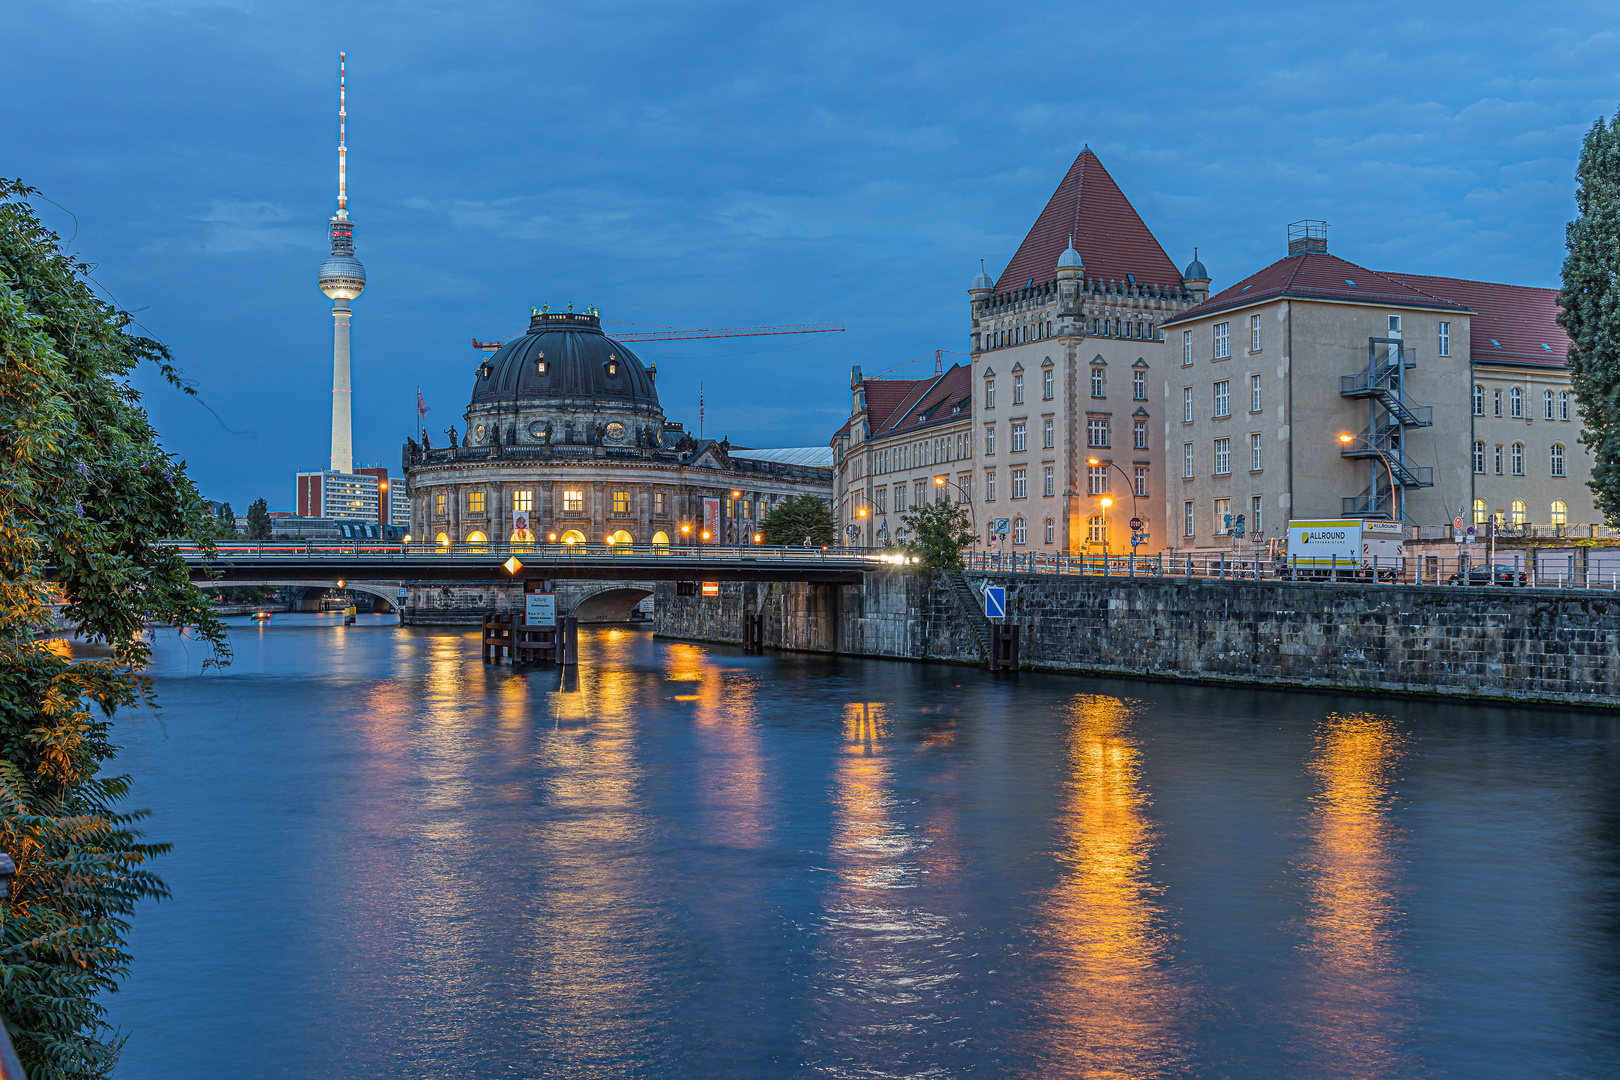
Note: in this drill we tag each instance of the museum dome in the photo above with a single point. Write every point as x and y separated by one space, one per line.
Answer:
565 358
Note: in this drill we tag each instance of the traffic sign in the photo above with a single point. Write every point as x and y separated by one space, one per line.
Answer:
1259 538
1136 524
540 609
1470 530
1457 522
1001 526
995 601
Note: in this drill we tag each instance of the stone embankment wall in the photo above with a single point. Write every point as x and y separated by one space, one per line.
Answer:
1513 644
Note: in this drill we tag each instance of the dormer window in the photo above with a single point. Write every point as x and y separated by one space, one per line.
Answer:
485 370
612 366
540 363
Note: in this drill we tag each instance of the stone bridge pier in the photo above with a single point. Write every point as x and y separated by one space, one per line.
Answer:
465 603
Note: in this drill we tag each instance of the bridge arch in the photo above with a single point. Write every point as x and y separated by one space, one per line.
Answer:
611 604
385 591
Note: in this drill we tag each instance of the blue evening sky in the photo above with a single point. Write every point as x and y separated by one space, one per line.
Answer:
723 164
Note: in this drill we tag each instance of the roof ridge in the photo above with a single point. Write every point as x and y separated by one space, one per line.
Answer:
920 398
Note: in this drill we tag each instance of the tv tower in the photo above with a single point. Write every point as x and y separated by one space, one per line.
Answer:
342 278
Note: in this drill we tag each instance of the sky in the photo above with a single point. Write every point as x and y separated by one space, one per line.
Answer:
737 164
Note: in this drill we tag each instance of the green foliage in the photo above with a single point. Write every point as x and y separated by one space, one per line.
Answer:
797 517
258 521
1591 302
938 531
84 489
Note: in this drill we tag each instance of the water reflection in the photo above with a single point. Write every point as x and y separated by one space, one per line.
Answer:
730 785
1354 1017
1113 1007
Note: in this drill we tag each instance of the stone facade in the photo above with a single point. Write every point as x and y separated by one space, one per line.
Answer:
1507 644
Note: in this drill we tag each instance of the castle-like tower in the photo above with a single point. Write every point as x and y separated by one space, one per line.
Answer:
342 278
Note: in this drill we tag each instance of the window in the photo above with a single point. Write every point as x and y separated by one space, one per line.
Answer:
989 485
1223 340
660 506
1479 398
1256 527
1223 399
1223 510
1141 482
1020 485
1516 398
1498 460
1186 404
1394 326
438 503
1518 459
1445 340
1547 405
1254 393
1557 459
1098 382
917 493
1187 462
900 498
1517 512
475 502
1096 479
1018 438
1046 384
989 393
1496 402
1187 519
621 502
1139 435
880 501
1186 347
1479 511
1560 512
1048 482
573 502
964 487
1097 529
1254 333
1097 432
1139 386
1254 452
1479 458
523 501
1051 531
989 440
1563 405
1018 389
1046 434
1223 456
1020 531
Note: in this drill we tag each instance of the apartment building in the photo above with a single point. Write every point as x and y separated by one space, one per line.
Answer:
1318 388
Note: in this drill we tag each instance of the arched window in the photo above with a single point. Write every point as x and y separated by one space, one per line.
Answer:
573 536
1479 511
1547 405
476 537
1516 399
442 540
1479 400
1051 531
661 538
1517 511
1479 457
1518 459
1560 512
1557 459
619 536
1020 531
1563 405
1097 529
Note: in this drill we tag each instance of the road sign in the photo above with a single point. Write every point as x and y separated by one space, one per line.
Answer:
1136 524
540 608
1259 538
1457 522
711 588
995 601
1001 526
1470 530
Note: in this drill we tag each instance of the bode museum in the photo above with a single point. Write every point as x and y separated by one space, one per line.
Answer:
566 443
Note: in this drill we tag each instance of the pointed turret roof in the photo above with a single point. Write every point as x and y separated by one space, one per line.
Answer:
1108 233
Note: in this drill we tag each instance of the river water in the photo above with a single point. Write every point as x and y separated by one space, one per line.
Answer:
393 861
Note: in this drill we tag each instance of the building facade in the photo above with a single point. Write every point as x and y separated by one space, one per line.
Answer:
566 442
1316 388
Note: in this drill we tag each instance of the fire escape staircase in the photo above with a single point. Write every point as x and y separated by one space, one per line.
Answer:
1389 413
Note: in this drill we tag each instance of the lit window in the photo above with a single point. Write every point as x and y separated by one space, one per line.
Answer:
1019 484
1097 432
1223 511
1187 462
658 502
1223 456
523 501
1046 385
1254 333
1560 512
1445 341
573 502
1139 435
1097 529
1479 457
1048 481
1186 347
1518 459
475 502
1223 340
438 503
1020 531
1141 482
1254 452
1516 397
1557 462
1479 511
1187 519
1139 386
1223 399
1517 511
989 393
1097 383
1254 393
1018 438
1051 531
1018 389
1047 434
1186 404
1096 480
1479 399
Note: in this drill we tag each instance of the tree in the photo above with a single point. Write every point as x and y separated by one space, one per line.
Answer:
84 490
1590 300
225 525
939 531
797 517
258 521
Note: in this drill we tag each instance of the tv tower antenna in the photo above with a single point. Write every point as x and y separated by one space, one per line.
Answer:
342 278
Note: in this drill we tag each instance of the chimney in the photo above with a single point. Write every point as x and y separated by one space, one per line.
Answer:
1307 236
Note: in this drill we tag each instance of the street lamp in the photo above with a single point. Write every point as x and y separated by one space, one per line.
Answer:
1130 486
941 482
1349 439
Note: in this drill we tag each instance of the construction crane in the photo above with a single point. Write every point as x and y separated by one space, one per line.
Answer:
685 333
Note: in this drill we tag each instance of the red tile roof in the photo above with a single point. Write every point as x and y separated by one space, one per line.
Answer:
884 396
1108 233
896 404
1318 276
1513 323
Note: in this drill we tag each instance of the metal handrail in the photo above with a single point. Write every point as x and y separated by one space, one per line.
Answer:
462 551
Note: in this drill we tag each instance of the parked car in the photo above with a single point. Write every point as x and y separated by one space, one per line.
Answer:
1491 575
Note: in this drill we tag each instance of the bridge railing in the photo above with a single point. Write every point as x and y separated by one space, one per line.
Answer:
338 550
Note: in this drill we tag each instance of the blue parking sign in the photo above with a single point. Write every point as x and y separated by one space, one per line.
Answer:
995 601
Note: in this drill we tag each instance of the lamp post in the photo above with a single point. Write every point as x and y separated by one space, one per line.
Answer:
1130 486
941 482
1349 439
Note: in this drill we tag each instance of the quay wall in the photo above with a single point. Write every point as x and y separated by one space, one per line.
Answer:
1530 645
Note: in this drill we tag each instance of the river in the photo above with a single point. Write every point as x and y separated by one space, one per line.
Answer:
393 861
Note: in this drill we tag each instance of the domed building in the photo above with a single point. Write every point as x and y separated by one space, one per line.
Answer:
565 441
